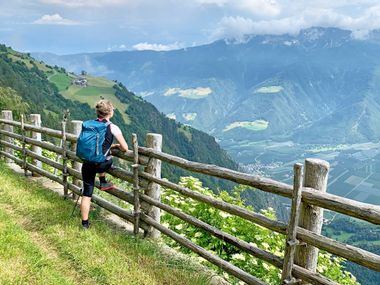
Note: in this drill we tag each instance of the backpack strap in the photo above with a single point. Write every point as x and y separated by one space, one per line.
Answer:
108 123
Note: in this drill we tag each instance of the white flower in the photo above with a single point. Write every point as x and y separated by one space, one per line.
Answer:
224 215
166 225
198 234
179 227
238 256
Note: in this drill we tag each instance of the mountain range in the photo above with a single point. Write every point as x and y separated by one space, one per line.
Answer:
320 86
31 86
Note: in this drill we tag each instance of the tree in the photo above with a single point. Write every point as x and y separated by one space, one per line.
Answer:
9 100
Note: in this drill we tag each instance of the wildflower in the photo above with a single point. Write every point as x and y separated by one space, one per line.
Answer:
224 215
179 227
238 256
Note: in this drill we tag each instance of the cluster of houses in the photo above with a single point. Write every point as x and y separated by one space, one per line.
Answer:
81 81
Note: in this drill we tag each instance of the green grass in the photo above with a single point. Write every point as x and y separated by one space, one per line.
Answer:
41 244
61 80
269 89
97 87
258 125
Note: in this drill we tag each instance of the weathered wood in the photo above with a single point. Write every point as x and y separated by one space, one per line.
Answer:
154 142
259 219
264 184
43 130
311 217
363 211
121 173
36 121
44 159
24 154
136 188
74 173
291 241
9 145
64 160
226 266
76 129
72 156
352 253
12 157
314 278
45 145
262 254
12 135
9 122
7 115
311 277
44 173
129 156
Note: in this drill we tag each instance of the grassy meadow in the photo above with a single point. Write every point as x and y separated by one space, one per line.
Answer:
41 244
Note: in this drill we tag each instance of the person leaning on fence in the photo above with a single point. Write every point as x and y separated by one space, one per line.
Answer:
104 112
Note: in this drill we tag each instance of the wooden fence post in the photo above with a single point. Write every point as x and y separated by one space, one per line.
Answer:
76 128
153 190
136 188
36 121
311 217
291 241
65 174
7 115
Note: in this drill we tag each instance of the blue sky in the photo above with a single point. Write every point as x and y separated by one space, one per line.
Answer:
69 26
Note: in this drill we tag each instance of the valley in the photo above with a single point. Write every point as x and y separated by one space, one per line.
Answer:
354 172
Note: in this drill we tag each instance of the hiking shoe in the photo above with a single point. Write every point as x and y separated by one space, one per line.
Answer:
86 226
104 186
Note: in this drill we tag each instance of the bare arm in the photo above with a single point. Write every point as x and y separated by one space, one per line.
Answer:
123 146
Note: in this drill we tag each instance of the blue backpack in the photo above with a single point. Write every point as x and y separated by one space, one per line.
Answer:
90 141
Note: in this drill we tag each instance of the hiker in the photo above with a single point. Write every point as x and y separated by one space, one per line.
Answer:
104 112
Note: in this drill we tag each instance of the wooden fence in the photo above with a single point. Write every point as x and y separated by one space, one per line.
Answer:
308 194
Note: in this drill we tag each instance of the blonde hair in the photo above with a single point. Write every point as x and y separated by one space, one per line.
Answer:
103 108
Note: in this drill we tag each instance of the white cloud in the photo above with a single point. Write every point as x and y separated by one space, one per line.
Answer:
55 19
260 7
219 3
85 3
267 8
239 27
157 47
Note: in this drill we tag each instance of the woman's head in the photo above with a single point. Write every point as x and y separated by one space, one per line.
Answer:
104 109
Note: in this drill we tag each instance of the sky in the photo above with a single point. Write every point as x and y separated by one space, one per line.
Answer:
76 26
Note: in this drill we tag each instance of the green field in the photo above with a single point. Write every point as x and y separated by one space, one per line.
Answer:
61 80
258 125
97 88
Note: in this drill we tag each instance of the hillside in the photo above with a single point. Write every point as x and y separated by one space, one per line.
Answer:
49 91
42 244
357 233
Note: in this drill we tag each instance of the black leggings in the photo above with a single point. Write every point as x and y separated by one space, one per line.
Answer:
89 171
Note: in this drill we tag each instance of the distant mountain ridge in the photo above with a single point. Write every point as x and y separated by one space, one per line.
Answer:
319 86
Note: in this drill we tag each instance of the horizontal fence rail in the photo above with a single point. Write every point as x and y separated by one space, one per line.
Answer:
146 176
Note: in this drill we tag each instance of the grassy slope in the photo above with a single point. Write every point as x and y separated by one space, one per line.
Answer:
41 244
97 87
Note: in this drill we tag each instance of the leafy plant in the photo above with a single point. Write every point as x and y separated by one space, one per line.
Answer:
254 234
